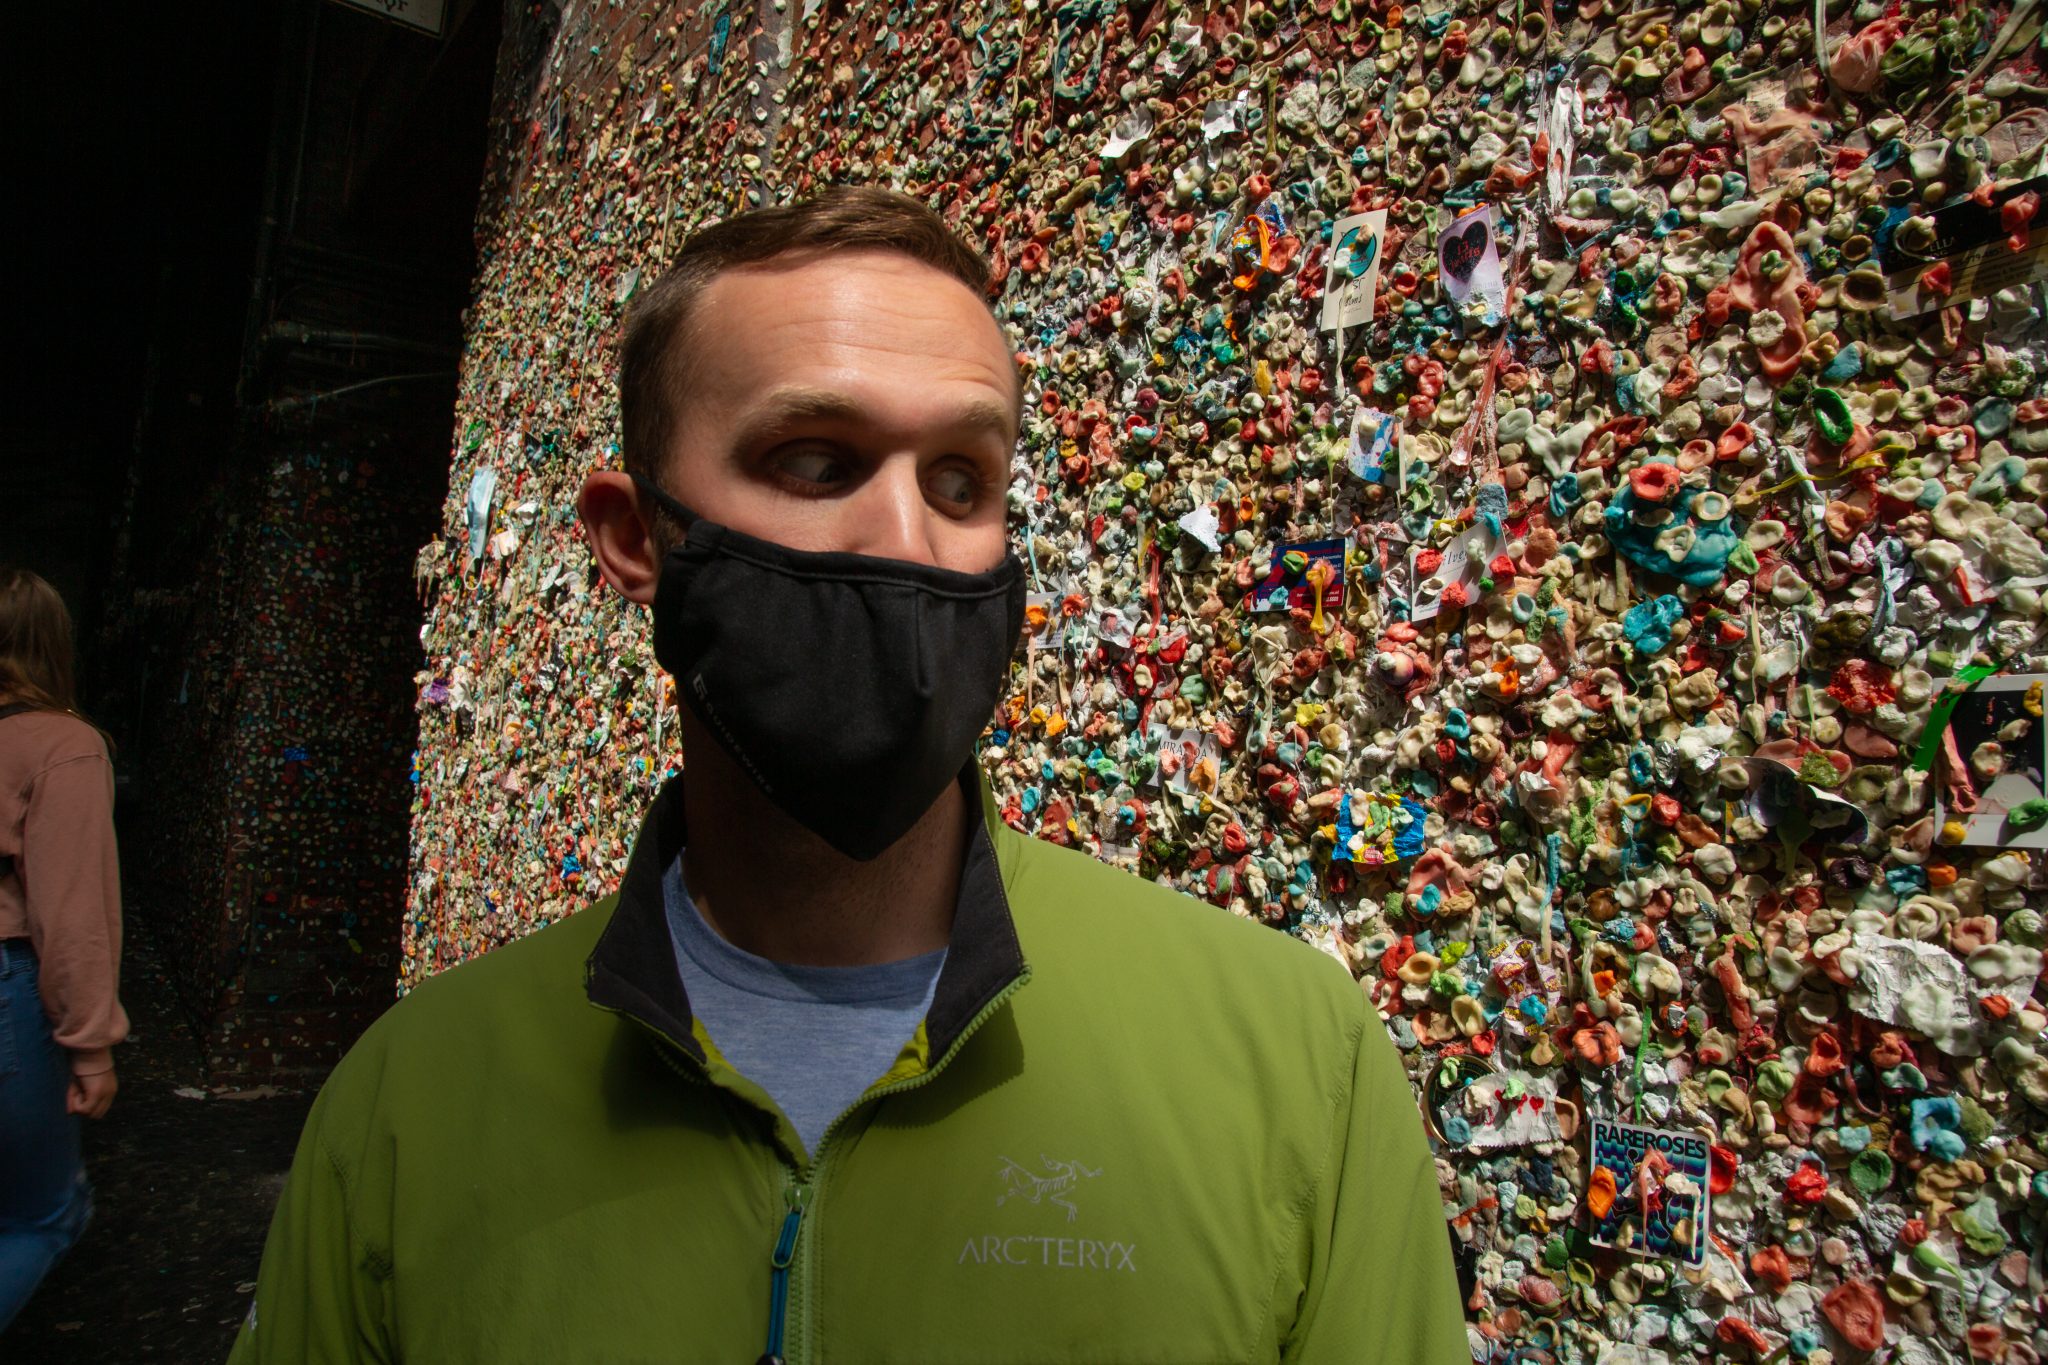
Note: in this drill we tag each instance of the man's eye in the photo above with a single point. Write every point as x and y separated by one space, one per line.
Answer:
956 485
811 466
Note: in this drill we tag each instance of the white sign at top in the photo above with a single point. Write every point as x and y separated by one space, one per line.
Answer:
424 15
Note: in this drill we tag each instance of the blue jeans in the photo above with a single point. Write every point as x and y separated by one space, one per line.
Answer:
45 1199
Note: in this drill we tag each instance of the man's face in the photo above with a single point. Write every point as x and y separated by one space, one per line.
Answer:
855 401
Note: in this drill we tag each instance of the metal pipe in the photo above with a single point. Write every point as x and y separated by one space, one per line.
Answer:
303 334
303 17
307 400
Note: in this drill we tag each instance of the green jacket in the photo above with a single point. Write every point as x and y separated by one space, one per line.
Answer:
1132 1127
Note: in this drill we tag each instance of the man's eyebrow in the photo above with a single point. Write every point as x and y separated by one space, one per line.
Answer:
790 404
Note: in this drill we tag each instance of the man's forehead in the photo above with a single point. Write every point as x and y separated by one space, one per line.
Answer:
719 322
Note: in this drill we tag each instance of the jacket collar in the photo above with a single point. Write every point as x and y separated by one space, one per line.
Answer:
632 969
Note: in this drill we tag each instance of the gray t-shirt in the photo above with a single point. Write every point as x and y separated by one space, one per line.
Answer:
813 1037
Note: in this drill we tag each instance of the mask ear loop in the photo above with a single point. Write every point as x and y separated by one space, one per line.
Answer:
663 500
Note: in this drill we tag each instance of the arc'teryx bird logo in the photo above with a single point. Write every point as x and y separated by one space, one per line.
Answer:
1059 1180
1055 1185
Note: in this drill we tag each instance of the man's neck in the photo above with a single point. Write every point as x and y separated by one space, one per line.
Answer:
773 888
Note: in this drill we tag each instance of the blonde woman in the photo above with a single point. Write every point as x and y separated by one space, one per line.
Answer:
60 937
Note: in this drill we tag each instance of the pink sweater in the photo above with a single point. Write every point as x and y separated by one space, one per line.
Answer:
57 821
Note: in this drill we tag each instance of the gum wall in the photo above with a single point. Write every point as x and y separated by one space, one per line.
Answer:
1543 501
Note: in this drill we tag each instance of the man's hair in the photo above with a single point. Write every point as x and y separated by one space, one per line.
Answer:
655 368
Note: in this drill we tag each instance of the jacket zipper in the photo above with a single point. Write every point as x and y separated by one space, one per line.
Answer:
800 1318
778 1280
792 1257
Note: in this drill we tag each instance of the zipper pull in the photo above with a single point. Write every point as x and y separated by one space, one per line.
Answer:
796 1196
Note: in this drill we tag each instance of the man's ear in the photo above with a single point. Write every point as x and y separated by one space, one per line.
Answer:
621 540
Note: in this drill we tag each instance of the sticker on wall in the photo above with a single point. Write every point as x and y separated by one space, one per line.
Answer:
1513 1109
1188 758
477 507
1373 434
1995 765
1302 574
1468 261
1447 578
1351 276
1113 626
1976 250
1647 1192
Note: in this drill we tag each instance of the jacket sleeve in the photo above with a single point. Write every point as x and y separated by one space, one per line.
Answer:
71 881
1382 1281
323 1292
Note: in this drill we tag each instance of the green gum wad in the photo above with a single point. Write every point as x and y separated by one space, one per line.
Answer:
2027 928
1906 1076
1977 1123
1817 771
1774 1081
1831 414
1977 1223
1871 1171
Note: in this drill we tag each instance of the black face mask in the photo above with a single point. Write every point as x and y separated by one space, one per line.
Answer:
849 687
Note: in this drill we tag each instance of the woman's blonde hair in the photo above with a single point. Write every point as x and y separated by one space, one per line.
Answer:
35 646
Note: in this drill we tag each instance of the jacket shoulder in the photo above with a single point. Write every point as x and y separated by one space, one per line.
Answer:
1087 916
512 970
469 1020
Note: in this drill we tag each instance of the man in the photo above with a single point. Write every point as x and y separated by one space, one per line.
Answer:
847 1069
